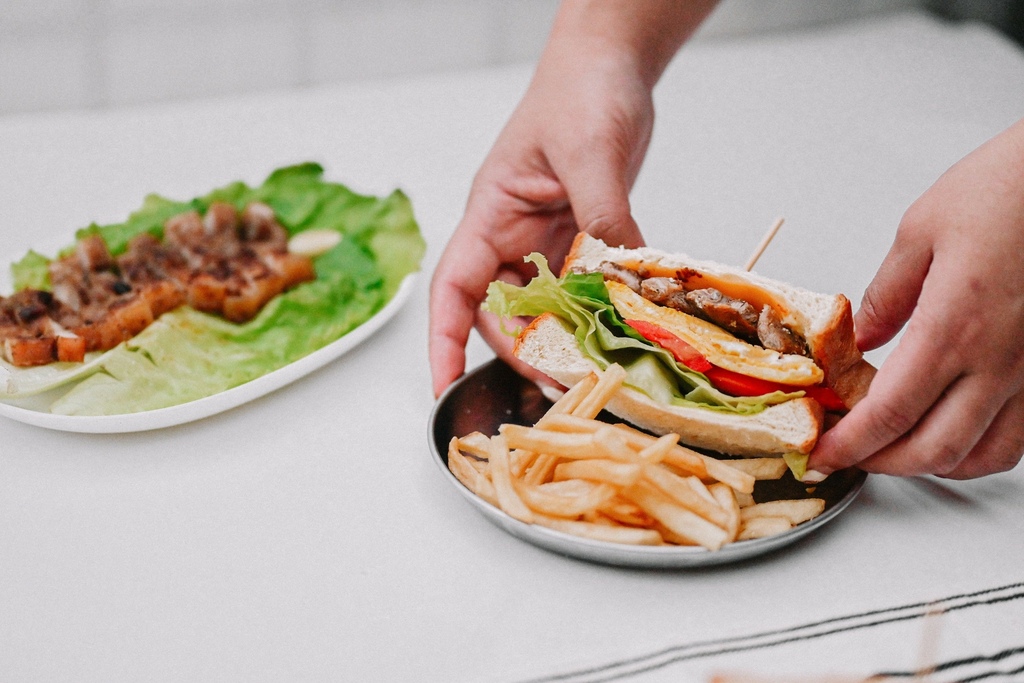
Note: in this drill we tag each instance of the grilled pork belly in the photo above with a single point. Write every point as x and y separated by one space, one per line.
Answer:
224 262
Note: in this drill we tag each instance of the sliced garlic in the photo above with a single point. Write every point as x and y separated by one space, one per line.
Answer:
312 243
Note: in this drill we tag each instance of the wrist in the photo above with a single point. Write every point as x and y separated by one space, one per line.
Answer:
636 37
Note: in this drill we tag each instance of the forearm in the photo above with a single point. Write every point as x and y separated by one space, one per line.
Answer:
644 33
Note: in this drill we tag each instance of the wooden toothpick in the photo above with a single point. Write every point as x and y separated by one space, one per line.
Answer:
929 649
765 241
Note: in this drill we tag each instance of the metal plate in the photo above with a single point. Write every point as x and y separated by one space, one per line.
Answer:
494 394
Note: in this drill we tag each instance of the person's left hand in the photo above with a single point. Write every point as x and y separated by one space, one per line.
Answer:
949 400
563 164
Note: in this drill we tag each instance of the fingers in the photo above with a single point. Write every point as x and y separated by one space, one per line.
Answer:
974 426
890 298
456 291
921 370
450 322
946 436
608 219
957 441
948 399
598 190
553 172
448 337
924 366
1001 447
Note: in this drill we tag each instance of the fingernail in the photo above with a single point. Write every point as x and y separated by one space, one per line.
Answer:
813 477
551 393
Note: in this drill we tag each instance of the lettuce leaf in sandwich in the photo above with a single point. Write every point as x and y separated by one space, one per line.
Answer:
581 300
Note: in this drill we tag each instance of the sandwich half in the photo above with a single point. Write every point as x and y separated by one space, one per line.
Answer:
728 360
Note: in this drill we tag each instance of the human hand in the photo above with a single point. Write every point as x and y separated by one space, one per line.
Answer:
564 163
949 400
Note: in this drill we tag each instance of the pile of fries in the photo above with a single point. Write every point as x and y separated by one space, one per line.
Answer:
576 474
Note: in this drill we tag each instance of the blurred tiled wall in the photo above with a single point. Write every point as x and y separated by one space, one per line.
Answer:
57 54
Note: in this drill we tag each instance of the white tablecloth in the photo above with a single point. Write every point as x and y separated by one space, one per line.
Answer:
307 536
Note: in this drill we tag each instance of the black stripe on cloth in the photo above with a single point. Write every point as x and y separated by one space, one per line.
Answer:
969 669
1013 672
629 667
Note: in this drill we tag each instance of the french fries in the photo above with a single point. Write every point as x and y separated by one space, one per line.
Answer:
613 483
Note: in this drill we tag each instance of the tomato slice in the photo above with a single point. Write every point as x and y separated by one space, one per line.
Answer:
741 385
680 350
728 381
827 397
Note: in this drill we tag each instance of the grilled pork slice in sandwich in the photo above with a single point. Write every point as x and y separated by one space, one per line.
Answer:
728 360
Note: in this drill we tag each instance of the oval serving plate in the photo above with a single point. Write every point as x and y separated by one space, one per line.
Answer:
211 405
494 394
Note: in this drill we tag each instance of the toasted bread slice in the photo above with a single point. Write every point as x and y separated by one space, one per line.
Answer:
793 426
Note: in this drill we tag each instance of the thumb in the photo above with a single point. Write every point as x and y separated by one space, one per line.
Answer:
598 192
890 298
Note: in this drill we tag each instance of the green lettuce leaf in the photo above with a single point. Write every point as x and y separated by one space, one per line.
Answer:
186 355
797 463
31 271
582 302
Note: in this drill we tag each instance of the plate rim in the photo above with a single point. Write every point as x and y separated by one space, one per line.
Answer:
618 554
222 401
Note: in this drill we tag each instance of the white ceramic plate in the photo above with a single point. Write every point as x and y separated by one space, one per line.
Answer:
493 394
211 405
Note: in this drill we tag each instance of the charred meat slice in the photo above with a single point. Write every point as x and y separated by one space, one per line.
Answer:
260 225
776 336
156 272
93 254
86 277
667 291
620 274
184 230
237 262
28 306
162 296
735 315
132 315
147 260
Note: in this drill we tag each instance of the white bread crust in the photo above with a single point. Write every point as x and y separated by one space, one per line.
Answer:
792 426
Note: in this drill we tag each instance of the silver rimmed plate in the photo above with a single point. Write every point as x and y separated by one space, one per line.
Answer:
493 394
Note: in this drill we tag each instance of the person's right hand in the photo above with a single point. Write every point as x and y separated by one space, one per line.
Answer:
949 399
564 163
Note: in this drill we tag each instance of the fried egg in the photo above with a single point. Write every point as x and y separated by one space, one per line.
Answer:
717 345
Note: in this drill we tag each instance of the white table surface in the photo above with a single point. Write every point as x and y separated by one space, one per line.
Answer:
307 536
